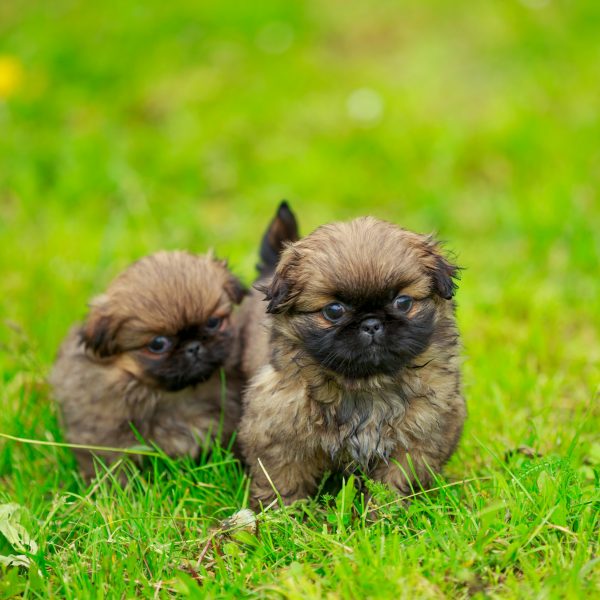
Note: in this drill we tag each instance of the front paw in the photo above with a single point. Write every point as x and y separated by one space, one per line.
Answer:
264 495
398 480
177 441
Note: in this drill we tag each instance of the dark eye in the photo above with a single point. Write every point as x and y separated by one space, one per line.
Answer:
213 323
160 345
334 312
403 303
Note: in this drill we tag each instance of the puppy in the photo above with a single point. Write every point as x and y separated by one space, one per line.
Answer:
361 364
148 360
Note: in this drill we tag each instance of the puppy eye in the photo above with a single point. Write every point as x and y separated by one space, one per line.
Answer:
334 312
213 323
160 345
403 303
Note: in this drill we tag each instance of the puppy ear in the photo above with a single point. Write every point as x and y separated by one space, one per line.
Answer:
99 332
443 272
233 286
282 290
235 290
444 276
278 292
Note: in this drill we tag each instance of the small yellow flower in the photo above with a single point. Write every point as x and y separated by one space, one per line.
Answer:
11 75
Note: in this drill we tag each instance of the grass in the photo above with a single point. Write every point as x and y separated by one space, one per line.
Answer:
128 127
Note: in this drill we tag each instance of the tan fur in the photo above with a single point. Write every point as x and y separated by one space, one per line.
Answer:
102 389
301 419
255 334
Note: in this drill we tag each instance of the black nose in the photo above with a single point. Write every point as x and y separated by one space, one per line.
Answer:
193 349
371 326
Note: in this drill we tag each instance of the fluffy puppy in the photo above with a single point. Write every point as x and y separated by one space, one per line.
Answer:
148 359
361 368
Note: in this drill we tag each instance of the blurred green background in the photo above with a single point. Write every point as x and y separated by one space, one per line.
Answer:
127 127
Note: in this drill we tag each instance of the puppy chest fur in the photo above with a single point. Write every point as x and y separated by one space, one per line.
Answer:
357 428
297 438
361 428
102 406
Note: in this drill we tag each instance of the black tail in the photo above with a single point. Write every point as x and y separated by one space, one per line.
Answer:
283 228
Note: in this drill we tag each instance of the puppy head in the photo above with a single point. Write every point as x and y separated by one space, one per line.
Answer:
165 320
361 298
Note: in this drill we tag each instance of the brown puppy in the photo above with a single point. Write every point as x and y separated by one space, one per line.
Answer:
148 359
362 364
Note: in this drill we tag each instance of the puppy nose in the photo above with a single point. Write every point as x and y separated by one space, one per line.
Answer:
192 349
371 326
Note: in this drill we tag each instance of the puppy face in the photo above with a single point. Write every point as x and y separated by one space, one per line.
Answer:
165 320
362 298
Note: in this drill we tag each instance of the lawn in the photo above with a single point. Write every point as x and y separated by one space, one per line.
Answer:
128 127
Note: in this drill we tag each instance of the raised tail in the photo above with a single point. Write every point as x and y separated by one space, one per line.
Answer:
283 228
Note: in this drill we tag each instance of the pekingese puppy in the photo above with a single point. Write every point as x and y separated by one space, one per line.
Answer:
147 361
360 364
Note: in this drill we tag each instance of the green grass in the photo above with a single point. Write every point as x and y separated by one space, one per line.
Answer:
139 126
